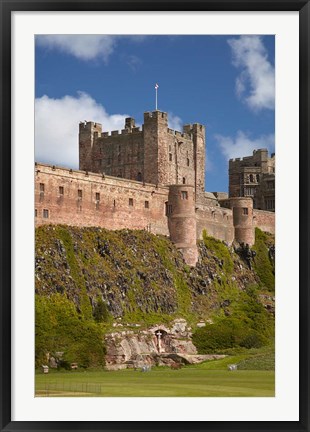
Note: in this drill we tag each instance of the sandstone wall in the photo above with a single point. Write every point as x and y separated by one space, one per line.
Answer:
264 220
90 200
217 221
120 154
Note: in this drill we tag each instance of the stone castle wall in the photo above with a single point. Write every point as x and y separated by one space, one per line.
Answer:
155 153
264 220
120 203
79 198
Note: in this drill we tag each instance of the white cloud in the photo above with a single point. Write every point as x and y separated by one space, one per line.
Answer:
242 145
84 47
57 123
174 122
256 82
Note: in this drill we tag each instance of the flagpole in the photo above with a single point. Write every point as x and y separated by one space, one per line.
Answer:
156 88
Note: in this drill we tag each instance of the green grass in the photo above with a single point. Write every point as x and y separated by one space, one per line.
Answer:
163 382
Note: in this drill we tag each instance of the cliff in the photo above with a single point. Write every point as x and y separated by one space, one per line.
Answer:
105 278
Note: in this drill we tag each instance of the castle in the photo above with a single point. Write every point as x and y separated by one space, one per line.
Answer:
145 178
254 176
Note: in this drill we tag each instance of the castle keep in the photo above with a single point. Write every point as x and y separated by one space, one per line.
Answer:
150 178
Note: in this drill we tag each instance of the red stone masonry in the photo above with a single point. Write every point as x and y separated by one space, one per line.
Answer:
150 179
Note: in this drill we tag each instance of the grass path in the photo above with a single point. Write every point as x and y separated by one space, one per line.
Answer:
161 382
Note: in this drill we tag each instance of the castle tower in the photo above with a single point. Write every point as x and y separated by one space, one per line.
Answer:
198 132
88 132
155 131
182 221
242 209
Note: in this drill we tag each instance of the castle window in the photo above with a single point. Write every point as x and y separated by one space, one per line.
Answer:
97 196
119 174
257 178
139 176
187 162
245 210
146 204
251 178
114 203
45 214
61 190
184 180
170 157
80 193
249 191
168 208
130 202
42 188
35 213
270 204
184 195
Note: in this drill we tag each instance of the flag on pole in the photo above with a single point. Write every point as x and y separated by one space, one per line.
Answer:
156 86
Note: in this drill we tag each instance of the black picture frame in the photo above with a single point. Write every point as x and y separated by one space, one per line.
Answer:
6 8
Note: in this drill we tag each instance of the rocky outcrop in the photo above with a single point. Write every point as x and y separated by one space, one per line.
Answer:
159 345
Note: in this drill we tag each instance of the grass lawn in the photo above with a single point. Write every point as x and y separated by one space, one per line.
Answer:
164 382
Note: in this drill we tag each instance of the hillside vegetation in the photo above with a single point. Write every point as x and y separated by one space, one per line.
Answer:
88 278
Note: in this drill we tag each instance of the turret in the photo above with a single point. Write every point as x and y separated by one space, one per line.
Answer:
242 209
88 132
155 131
182 221
198 132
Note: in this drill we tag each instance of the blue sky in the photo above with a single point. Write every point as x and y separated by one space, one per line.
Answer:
223 82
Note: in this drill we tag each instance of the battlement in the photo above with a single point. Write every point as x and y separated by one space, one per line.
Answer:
134 130
89 126
179 134
155 115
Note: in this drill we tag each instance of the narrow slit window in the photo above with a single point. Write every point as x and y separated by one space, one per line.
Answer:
130 202
80 193
61 190
146 204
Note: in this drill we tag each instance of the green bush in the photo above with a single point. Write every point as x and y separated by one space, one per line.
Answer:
263 266
221 251
225 334
60 328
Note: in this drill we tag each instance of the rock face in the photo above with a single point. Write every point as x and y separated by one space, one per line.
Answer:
158 345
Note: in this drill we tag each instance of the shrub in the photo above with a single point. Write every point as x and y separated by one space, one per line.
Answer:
262 264
220 251
59 327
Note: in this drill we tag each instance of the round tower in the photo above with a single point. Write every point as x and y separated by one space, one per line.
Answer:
242 209
182 221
